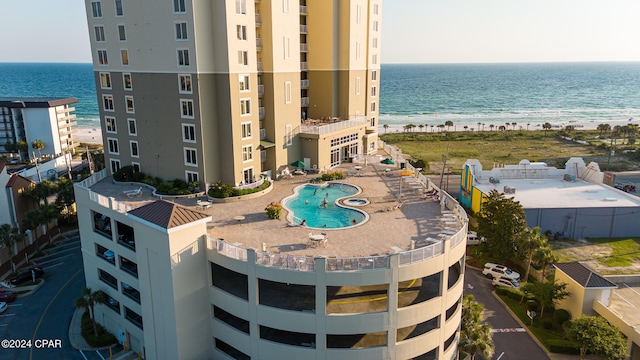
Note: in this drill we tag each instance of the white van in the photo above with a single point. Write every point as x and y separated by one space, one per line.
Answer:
473 239
506 282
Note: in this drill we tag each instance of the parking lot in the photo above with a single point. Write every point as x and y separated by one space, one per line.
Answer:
45 315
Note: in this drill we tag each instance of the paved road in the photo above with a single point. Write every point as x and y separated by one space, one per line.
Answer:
46 314
511 341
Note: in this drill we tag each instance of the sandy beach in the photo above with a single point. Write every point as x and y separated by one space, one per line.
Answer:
94 134
579 125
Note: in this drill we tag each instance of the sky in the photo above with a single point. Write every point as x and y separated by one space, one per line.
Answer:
413 31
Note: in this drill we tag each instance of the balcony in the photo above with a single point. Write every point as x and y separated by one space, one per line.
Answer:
259 66
328 125
258 20
303 29
304 84
304 47
304 66
304 101
263 155
261 113
263 134
303 10
259 43
260 90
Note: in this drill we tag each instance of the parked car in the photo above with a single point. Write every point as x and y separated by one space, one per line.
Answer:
473 239
3 307
7 296
14 161
506 282
493 271
26 276
628 187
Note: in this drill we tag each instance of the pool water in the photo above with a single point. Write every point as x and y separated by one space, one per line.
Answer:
309 204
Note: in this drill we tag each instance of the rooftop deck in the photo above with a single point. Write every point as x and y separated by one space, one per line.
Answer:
388 230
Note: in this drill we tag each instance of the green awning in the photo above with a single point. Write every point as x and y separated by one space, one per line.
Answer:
264 144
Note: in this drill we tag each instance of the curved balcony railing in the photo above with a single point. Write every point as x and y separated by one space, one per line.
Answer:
252 185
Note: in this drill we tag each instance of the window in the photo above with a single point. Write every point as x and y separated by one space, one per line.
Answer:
375 9
373 107
187 108
375 25
133 129
287 92
246 130
134 148
121 33
243 82
285 6
245 106
247 176
374 43
110 124
374 75
372 145
113 146
107 278
126 81
288 130
119 11
105 80
115 165
124 55
373 123
183 57
181 31
243 57
188 133
247 153
373 91
99 30
96 9
357 50
190 157
241 7
129 102
136 167
358 14
191 176
102 57
357 85
242 32
107 102
374 59
286 47
184 81
179 6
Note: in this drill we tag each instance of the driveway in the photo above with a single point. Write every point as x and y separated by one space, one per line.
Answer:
510 340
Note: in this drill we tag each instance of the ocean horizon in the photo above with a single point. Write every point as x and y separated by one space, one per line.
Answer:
421 94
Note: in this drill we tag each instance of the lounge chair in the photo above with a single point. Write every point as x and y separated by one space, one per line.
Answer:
133 193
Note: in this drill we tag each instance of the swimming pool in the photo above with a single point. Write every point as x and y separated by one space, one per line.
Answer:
308 203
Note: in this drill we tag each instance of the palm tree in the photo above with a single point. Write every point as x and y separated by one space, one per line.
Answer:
528 126
531 241
491 126
88 300
385 126
546 126
513 124
603 128
466 128
421 127
448 124
22 147
8 236
38 145
479 123
431 127
475 336
544 257
507 125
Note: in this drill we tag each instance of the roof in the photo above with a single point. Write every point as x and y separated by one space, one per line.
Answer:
35 102
167 215
584 276
14 177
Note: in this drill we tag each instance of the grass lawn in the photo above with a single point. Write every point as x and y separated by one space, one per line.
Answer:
610 256
508 147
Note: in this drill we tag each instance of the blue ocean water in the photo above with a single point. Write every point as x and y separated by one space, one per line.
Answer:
427 94
53 80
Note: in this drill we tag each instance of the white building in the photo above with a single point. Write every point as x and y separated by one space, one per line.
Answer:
50 120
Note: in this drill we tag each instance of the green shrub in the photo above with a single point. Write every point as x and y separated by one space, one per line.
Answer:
547 324
274 210
512 293
336 175
562 347
560 316
104 338
221 190
532 305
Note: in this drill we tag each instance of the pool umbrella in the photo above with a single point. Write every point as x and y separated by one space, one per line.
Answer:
299 164
387 161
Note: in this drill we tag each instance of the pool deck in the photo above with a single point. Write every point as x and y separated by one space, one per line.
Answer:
386 231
